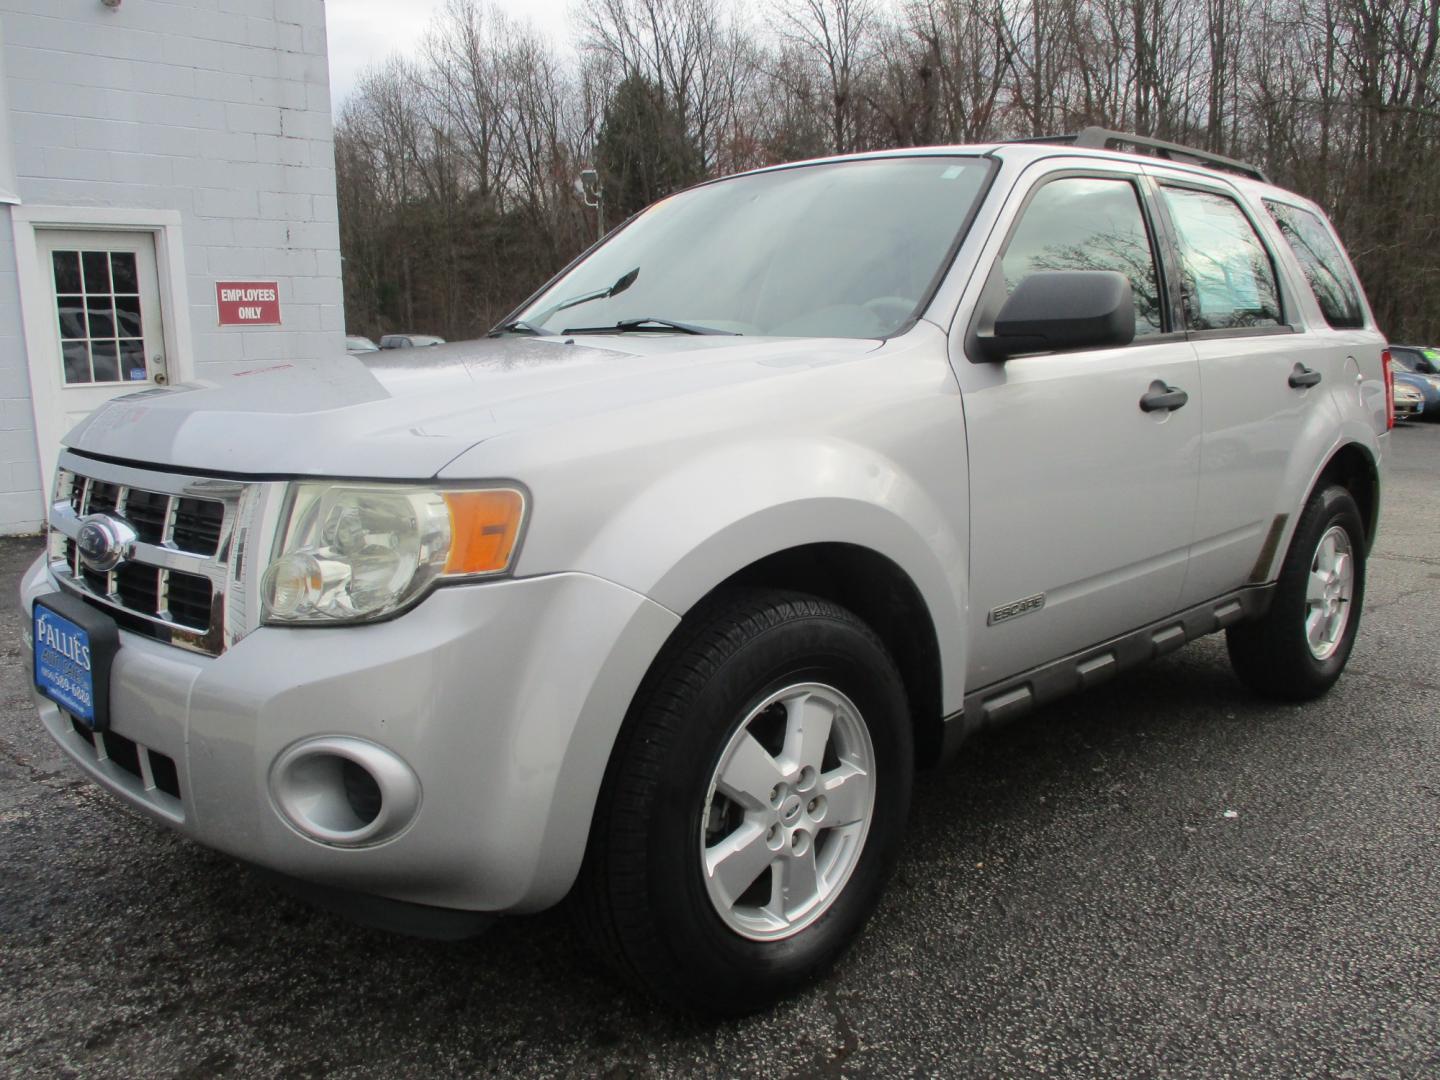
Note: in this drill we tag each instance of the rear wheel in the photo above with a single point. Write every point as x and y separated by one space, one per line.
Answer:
1300 647
754 804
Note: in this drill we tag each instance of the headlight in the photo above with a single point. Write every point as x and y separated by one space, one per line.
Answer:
357 552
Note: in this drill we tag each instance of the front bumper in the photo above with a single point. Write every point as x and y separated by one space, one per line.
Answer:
504 699
1407 408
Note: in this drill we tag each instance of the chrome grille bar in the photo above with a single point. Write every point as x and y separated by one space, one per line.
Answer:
213 509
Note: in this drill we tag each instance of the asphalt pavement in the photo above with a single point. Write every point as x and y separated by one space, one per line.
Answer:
1162 877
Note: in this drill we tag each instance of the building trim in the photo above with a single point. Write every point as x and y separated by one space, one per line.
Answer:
9 190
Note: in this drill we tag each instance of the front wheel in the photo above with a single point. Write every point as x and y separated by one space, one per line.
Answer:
754 804
1299 648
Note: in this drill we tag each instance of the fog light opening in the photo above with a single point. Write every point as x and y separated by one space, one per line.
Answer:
361 791
344 791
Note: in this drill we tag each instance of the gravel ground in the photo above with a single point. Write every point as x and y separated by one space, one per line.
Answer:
1162 877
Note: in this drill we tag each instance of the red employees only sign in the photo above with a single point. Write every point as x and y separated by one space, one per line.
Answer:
248 303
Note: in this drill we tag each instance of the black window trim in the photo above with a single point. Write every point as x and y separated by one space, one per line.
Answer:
1100 171
1287 324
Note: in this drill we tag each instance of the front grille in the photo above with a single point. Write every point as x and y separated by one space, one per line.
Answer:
99 498
189 600
130 757
173 580
197 525
138 587
124 752
149 512
164 773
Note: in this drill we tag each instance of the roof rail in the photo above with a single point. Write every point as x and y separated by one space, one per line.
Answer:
1098 138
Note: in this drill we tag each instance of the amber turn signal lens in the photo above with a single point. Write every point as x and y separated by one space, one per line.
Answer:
484 526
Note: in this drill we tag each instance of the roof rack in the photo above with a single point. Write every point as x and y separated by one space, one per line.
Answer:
1098 138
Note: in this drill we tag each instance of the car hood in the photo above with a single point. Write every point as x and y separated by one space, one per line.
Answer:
407 413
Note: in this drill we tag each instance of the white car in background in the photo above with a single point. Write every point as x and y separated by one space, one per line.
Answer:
410 341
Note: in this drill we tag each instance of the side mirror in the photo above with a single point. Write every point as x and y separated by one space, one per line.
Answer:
1058 310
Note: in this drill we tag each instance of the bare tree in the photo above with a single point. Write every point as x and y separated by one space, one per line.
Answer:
456 169
838 36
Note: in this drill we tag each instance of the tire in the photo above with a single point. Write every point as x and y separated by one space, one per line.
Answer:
1280 655
749 669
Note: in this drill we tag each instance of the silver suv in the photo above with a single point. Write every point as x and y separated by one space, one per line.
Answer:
657 598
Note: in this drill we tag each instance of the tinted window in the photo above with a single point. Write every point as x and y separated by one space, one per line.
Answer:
1228 280
1084 223
1324 266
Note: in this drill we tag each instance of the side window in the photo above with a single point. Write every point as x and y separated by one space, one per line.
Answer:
1409 359
1324 266
1088 223
1228 278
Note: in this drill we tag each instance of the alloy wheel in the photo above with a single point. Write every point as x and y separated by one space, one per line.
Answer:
787 811
1329 593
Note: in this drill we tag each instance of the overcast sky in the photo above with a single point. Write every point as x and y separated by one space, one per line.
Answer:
364 32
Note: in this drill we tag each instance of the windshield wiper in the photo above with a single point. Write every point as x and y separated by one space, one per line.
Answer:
623 282
520 326
648 324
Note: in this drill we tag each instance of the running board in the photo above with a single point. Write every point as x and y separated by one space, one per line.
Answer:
1018 694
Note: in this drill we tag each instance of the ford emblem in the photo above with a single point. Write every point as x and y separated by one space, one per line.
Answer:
103 541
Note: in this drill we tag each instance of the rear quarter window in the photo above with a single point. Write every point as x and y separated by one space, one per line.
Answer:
1319 256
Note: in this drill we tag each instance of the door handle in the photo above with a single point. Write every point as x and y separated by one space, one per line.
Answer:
1300 375
1160 396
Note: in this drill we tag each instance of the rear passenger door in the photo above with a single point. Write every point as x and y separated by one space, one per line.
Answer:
1265 377
1082 502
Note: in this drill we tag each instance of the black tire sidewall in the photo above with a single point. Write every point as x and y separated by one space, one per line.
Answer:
808 649
1329 507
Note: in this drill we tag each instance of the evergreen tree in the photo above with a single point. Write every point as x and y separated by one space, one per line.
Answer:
643 152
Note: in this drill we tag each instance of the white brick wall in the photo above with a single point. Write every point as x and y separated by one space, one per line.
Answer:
219 109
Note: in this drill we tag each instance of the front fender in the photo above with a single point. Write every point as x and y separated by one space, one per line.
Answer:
699 524
672 498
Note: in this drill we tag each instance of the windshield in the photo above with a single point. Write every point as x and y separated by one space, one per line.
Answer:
848 249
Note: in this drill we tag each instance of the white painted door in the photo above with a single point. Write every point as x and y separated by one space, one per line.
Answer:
105 335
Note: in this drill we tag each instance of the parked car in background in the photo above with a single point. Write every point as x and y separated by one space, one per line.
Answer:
1418 358
1409 402
409 341
357 345
1426 386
